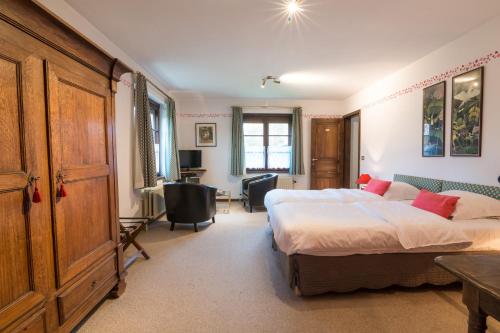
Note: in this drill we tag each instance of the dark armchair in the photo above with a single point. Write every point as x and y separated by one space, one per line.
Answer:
254 189
189 203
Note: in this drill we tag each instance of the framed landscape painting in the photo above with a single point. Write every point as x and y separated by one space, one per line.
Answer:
466 113
206 135
434 120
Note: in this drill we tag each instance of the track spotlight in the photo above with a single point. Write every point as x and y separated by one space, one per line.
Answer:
269 78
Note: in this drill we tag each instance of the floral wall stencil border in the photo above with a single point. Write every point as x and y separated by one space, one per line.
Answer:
437 78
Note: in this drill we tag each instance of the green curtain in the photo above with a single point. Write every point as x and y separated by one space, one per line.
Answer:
296 154
169 153
237 143
144 132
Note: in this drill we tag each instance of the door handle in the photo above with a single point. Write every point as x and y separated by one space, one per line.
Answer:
60 191
60 176
33 182
314 159
28 199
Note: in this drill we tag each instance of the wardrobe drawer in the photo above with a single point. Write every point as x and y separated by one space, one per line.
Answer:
35 324
90 288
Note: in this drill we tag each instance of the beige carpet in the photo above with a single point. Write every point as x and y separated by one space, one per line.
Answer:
225 278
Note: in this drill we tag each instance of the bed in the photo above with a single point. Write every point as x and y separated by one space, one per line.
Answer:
396 192
312 271
342 195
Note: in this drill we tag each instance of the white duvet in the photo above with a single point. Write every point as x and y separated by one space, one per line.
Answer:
361 228
342 195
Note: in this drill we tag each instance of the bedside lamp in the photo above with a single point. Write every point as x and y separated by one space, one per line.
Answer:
363 180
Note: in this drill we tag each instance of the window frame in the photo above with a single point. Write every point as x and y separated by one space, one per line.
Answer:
266 119
154 109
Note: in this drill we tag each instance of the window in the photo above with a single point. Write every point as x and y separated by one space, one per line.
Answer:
154 109
267 142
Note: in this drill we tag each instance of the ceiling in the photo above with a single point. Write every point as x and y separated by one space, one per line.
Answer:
222 48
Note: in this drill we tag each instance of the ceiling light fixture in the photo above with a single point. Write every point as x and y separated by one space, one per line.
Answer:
293 8
269 78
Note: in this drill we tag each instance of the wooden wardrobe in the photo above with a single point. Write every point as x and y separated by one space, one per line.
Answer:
59 257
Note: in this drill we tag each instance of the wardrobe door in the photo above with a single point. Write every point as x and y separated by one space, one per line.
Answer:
82 162
25 227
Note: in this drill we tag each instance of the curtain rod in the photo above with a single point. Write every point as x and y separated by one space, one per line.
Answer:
158 88
267 107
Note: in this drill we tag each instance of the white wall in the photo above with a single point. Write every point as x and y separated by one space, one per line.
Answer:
192 108
391 131
129 199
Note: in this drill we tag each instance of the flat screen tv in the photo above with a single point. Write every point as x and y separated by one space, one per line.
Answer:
190 159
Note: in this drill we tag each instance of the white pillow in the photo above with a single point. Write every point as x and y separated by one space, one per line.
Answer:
473 205
401 191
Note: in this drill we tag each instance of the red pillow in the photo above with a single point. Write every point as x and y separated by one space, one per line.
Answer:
439 204
378 186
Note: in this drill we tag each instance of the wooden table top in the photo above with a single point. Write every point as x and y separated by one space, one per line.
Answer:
483 271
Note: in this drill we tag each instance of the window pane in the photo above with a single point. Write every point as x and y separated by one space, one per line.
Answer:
153 122
278 141
278 157
278 152
253 129
254 141
278 129
156 136
157 157
254 152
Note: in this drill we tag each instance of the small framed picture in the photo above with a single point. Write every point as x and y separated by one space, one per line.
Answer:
206 134
434 120
466 113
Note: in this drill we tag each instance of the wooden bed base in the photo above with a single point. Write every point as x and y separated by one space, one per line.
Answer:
312 275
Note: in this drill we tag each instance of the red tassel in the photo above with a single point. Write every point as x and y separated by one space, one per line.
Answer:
62 192
36 196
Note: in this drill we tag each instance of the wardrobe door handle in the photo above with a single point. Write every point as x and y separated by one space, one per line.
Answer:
60 176
28 198
37 197
61 191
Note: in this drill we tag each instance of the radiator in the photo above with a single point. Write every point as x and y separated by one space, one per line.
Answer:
286 182
153 204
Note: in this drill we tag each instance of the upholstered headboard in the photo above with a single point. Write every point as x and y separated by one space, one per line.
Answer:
437 185
490 191
433 185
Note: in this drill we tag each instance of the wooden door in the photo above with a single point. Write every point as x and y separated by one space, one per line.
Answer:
25 228
81 140
352 145
326 153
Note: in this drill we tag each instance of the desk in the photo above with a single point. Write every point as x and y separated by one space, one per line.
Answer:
186 174
480 275
196 171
